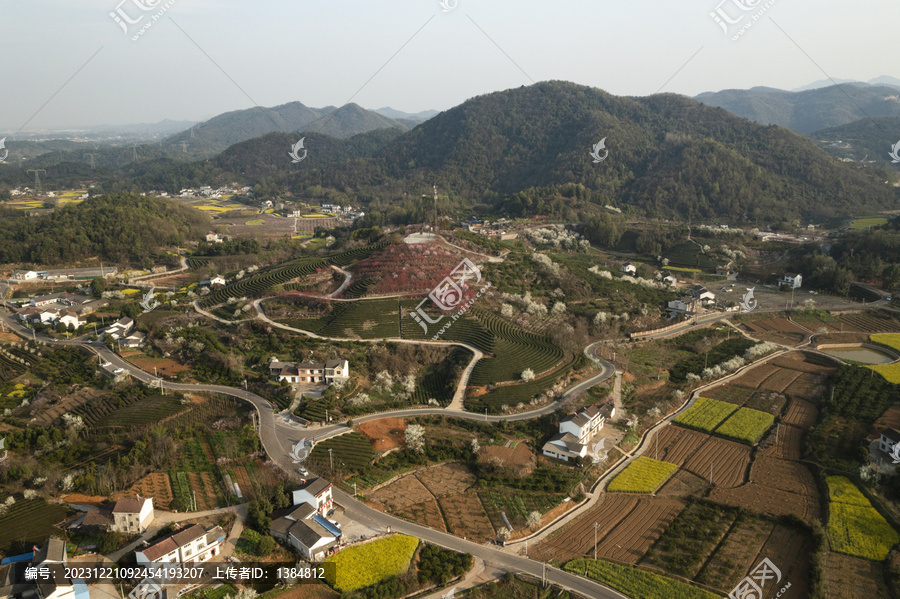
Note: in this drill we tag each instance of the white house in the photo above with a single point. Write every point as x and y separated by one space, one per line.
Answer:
136 339
214 238
51 559
794 280
69 318
629 269
682 305
119 329
703 294
190 545
669 280
132 514
309 372
315 492
311 534
576 430
889 439
217 280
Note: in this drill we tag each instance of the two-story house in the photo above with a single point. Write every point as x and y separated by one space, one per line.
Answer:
888 440
132 514
682 305
629 269
311 534
703 295
791 279
309 372
575 432
317 493
190 545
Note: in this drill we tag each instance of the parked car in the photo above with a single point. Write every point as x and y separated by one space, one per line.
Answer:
303 471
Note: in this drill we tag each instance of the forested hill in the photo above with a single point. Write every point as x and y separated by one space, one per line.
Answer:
669 156
116 228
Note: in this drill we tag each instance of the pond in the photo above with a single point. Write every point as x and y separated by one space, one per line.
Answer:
863 355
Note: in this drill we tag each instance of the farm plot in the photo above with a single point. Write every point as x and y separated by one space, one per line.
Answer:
854 578
466 517
890 419
683 484
636 583
729 562
676 444
427 513
792 477
633 536
869 323
577 538
785 444
706 414
767 401
730 393
808 386
854 526
402 493
516 506
27 522
146 412
801 414
351 452
157 486
804 363
643 475
780 380
366 319
446 479
724 462
763 499
754 377
746 425
788 549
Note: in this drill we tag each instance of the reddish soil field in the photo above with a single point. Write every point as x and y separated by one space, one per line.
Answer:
676 444
242 480
577 538
786 444
466 517
730 393
164 366
807 386
783 474
634 535
683 484
426 513
755 376
789 550
890 419
725 460
780 380
210 485
519 459
384 433
804 363
94 500
801 414
766 500
854 578
155 485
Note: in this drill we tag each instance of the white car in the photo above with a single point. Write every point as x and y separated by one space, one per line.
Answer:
303 471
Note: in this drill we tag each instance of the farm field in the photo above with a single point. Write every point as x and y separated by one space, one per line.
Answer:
364 565
402 493
446 479
854 578
706 414
351 452
746 425
785 444
28 522
636 583
516 505
466 517
869 323
800 413
855 528
639 530
577 538
427 513
763 499
643 475
872 221
734 555
704 455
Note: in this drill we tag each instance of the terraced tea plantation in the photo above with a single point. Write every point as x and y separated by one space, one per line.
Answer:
350 452
27 522
365 319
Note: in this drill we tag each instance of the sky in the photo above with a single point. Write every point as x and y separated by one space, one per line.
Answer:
69 64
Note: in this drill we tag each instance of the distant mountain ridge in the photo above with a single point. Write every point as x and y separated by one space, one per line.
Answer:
810 110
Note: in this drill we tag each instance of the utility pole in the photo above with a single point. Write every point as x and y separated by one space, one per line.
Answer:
331 462
93 163
37 177
596 526
485 414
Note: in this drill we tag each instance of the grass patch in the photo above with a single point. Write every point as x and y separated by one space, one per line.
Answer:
854 526
643 475
254 222
746 425
364 565
706 414
872 221
635 583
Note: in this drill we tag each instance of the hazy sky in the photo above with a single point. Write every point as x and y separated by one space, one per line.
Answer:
233 54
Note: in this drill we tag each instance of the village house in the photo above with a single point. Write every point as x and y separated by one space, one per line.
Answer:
629 269
682 305
791 279
704 295
136 339
575 432
309 372
317 493
65 308
52 557
309 533
191 545
119 329
888 440
130 515
669 279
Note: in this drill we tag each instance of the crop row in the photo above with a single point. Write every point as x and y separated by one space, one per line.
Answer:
351 451
643 475
512 395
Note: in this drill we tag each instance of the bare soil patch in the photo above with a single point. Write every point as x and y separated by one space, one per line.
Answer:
764 499
683 484
385 433
426 513
402 493
801 413
577 538
519 459
785 444
637 532
725 462
164 366
155 485
780 380
728 563
466 517
446 479
854 578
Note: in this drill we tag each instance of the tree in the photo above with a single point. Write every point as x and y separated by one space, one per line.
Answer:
527 374
265 546
475 446
98 286
415 438
502 534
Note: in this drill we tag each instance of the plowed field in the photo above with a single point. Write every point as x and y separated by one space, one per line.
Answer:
780 380
728 563
402 493
426 513
755 376
786 444
577 538
724 461
764 499
801 414
634 535
466 517
804 363
854 578
446 479
807 386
